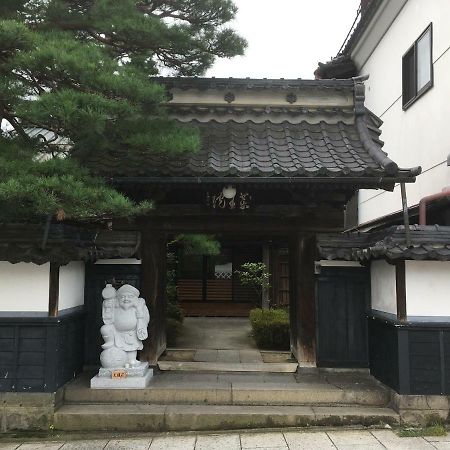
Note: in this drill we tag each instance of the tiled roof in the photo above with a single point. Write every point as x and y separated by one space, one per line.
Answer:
258 149
428 242
64 243
295 140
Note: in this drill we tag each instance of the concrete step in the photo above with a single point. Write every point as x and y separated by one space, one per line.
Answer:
201 366
147 417
232 394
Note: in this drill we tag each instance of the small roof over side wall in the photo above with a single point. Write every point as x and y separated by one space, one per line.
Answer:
266 130
428 242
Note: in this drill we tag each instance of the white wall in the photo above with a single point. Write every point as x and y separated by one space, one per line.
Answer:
427 288
383 287
71 285
24 286
421 134
119 261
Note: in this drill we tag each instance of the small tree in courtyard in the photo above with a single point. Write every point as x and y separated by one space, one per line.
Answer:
254 275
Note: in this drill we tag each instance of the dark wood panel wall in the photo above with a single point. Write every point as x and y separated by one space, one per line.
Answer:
40 354
343 299
411 358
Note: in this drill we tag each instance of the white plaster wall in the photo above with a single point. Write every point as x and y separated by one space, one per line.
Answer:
71 285
383 287
421 134
119 261
25 287
427 288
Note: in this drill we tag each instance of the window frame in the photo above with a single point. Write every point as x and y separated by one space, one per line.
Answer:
430 84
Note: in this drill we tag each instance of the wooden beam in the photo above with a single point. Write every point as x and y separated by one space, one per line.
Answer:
400 283
53 291
241 224
302 253
153 287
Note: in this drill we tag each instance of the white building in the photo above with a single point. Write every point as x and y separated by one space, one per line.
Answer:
404 48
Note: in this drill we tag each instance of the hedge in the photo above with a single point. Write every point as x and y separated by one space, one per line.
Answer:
270 328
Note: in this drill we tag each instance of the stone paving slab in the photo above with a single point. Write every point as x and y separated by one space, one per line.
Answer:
173 443
250 356
308 441
262 440
393 442
206 355
300 439
129 444
231 356
85 445
218 442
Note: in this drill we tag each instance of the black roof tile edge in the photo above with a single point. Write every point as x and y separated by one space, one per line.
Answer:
359 30
428 242
202 83
374 150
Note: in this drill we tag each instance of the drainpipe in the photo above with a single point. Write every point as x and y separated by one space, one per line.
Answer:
425 200
405 215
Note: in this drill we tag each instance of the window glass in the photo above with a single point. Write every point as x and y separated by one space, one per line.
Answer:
409 85
424 60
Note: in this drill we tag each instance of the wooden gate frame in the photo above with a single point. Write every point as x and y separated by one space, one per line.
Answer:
302 251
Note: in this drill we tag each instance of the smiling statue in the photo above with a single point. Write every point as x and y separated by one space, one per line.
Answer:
126 319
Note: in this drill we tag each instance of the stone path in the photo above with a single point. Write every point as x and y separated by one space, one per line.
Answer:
231 333
274 440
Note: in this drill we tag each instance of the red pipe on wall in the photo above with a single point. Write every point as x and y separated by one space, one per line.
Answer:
425 200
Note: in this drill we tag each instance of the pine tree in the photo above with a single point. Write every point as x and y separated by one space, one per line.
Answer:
83 73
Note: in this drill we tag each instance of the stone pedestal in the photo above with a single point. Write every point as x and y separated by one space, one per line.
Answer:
123 378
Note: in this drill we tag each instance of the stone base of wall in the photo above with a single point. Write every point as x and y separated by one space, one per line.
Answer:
31 411
418 409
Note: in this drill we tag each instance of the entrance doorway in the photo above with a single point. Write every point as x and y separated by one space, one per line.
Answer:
208 285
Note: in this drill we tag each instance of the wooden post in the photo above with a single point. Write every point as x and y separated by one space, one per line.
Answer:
302 299
400 285
53 290
153 287
266 261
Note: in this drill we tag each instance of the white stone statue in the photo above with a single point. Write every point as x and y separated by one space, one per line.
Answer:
126 318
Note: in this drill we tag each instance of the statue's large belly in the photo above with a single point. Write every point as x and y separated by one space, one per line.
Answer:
125 320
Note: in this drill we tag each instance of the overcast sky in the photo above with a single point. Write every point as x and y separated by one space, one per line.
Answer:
286 38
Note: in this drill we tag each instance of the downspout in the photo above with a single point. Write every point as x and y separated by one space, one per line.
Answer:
425 200
405 215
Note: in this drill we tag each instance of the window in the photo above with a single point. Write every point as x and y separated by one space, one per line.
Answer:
417 68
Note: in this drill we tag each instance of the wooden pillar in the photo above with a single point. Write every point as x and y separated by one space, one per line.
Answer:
266 261
302 299
153 290
400 285
53 290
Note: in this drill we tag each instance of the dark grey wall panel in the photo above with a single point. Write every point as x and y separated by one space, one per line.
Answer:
411 357
40 354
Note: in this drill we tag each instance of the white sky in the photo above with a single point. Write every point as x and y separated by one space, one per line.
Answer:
287 38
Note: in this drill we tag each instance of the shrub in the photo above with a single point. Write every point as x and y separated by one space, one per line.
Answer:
270 328
175 312
173 329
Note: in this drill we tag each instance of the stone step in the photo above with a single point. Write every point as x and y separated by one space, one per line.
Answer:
197 366
223 393
147 417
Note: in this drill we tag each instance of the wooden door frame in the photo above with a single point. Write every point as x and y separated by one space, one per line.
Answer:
302 254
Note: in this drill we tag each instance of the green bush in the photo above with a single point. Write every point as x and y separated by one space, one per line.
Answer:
173 329
270 328
175 312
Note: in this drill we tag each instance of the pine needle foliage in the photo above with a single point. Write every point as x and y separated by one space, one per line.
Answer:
86 71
